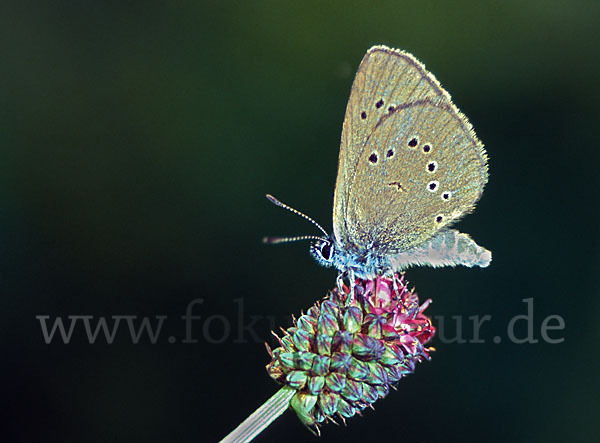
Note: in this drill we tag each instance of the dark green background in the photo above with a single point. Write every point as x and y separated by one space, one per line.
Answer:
138 140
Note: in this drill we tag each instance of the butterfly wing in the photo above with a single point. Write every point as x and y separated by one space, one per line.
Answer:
446 248
409 162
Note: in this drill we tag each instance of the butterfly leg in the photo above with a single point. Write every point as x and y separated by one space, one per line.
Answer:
395 287
340 282
352 280
351 283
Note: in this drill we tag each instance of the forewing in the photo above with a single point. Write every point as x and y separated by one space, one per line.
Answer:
386 79
409 162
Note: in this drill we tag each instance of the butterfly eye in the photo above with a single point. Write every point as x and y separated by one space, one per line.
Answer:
326 250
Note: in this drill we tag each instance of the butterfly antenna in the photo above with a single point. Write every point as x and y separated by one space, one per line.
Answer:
295 211
277 240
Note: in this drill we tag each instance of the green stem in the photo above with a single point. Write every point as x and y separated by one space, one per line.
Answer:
262 417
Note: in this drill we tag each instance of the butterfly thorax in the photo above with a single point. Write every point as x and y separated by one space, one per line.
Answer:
363 262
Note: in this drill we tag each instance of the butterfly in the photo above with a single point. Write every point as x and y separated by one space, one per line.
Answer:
409 167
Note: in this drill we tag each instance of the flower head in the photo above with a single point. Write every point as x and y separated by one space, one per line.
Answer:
347 351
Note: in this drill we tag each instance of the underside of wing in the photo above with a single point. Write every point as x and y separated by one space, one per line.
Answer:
409 162
447 248
386 78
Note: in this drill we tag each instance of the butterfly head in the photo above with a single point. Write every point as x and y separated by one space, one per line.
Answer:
323 250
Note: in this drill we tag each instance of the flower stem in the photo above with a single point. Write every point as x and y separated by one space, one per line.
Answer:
262 417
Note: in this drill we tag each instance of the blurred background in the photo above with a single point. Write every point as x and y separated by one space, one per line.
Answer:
137 141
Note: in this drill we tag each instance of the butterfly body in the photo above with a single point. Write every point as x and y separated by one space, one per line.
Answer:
410 165
447 248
